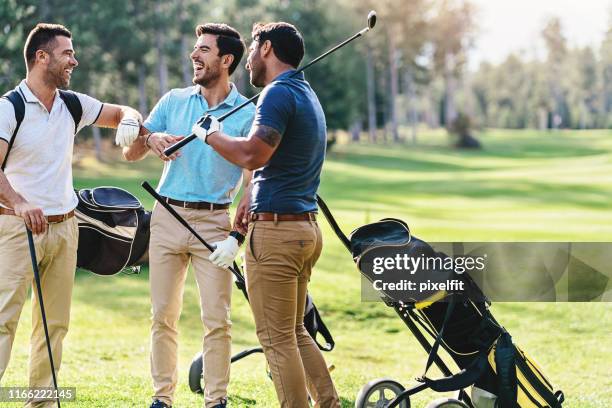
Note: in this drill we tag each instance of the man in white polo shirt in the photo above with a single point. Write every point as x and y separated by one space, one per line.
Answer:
36 189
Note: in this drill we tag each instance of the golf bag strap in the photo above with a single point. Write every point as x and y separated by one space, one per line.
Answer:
15 98
324 331
332 222
463 379
507 383
74 107
434 348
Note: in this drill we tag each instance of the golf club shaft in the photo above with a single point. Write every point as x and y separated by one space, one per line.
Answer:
42 309
172 149
160 200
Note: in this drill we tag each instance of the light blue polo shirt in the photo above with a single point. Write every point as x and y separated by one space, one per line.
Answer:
200 173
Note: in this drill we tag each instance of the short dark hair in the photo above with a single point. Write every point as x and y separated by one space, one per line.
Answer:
41 38
286 40
228 41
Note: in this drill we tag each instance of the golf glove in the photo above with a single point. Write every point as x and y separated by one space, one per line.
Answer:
206 126
127 131
225 252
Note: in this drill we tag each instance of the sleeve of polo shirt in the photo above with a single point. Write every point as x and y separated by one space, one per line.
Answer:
157 119
248 122
274 108
7 119
91 109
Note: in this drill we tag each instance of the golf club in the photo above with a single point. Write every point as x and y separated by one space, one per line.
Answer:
371 23
42 309
234 269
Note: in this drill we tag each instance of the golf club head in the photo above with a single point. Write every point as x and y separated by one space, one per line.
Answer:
371 19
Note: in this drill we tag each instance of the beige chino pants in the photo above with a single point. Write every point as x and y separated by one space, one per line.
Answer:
56 252
171 249
279 262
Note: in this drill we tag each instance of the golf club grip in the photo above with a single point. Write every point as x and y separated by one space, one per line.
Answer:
159 199
169 151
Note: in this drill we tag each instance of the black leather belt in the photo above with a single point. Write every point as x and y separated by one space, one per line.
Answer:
197 205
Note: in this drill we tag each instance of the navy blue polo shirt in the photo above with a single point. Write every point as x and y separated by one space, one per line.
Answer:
288 183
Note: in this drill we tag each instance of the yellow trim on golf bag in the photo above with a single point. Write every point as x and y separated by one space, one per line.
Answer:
533 388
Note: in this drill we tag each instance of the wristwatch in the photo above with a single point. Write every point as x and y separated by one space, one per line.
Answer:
239 237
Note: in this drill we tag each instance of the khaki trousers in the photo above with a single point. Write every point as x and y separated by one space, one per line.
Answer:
56 252
171 249
279 262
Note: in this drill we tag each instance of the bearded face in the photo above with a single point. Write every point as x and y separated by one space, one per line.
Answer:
61 63
206 61
256 66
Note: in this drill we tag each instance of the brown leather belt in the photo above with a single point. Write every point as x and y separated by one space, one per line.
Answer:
198 205
51 219
282 217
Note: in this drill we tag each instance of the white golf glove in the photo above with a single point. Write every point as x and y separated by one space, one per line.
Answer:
225 252
206 126
127 131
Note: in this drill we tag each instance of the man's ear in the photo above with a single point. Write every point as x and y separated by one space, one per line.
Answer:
41 57
227 60
266 48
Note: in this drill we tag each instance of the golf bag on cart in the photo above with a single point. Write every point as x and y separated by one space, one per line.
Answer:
113 230
500 373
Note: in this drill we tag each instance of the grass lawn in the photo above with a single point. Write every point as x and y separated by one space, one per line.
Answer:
524 185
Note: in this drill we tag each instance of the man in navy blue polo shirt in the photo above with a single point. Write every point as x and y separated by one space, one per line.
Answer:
286 146
200 185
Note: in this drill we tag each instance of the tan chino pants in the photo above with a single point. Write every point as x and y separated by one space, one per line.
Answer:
279 262
56 252
171 249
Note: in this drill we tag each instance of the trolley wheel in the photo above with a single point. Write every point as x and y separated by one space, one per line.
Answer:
195 374
379 393
447 403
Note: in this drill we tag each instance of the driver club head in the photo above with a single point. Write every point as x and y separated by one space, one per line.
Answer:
371 19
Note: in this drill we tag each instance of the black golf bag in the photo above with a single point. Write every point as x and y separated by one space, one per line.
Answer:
500 373
113 230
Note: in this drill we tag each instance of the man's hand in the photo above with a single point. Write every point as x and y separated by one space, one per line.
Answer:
225 252
241 219
206 125
127 131
158 142
32 215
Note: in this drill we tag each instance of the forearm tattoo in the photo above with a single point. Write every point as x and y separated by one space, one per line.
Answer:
268 135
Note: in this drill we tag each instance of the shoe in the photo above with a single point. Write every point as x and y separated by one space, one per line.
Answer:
158 404
223 404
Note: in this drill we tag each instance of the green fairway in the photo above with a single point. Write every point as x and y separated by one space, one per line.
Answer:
524 185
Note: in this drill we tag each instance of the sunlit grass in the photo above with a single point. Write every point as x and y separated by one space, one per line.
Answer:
524 185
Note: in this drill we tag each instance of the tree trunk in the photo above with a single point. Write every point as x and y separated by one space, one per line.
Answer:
450 112
142 90
410 92
356 129
162 63
45 11
393 87
371 96
184 47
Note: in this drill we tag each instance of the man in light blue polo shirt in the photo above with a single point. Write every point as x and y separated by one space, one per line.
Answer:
200 185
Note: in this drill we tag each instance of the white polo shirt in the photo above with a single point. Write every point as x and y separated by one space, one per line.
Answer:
39 165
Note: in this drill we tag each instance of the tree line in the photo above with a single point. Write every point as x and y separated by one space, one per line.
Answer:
410 70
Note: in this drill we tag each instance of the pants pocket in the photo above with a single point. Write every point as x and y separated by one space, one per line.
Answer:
256 242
